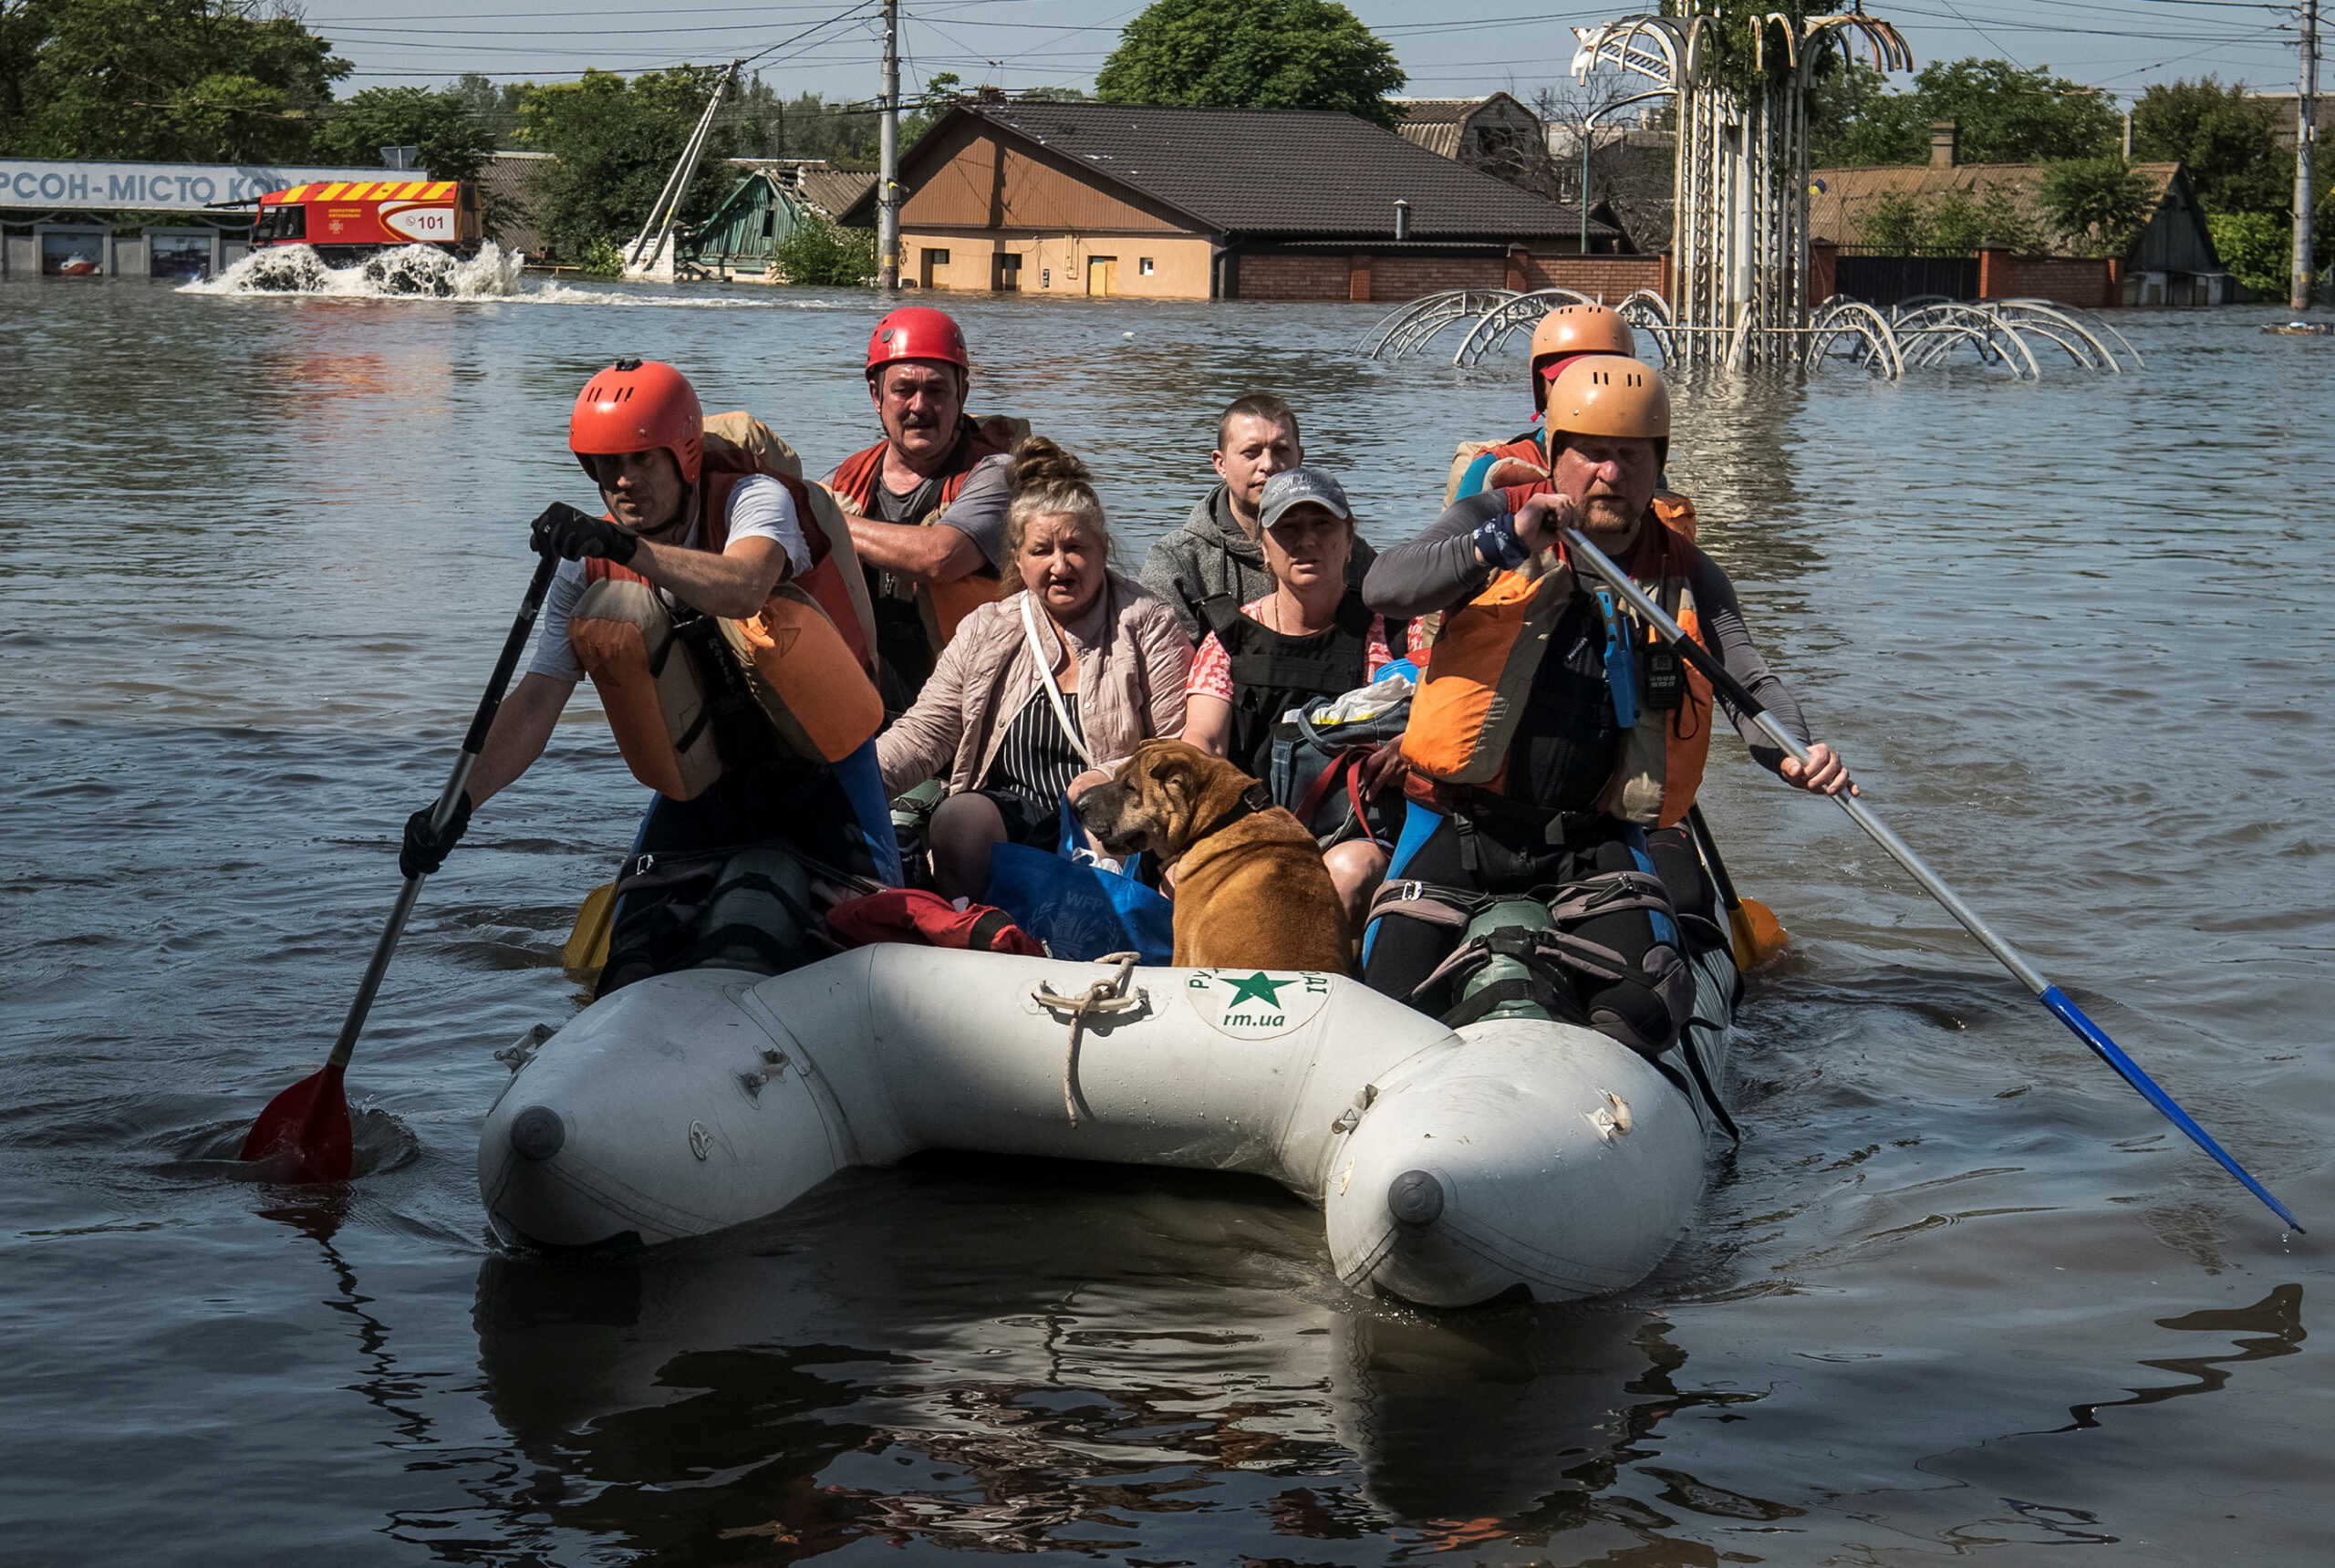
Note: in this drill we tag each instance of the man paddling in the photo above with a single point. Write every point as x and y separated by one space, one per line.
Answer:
709 544
1218 554
1553 731
927 503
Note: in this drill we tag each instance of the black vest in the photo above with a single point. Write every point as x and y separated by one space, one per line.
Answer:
1273 672
1567 741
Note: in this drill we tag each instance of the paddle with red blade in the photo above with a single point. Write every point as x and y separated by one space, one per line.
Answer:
306 1128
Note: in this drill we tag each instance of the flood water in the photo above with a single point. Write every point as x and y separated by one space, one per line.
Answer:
1961 1294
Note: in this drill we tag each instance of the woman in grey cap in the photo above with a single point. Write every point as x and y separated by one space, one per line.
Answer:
1312 637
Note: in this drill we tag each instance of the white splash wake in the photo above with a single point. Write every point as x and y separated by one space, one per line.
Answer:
410 271
420 272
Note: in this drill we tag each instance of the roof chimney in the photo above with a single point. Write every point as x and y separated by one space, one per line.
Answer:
1943 136
1401 219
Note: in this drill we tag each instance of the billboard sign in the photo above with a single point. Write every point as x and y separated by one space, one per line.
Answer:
53 183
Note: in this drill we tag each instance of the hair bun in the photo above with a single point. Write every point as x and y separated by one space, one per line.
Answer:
1039 464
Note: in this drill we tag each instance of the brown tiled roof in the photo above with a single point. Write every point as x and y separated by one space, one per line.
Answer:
1838 210
834 190
1434 123
1266 173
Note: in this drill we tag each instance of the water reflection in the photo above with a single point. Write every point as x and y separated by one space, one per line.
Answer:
1107 1378
2272 1327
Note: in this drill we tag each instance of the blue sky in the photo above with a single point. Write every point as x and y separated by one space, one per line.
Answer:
1458 48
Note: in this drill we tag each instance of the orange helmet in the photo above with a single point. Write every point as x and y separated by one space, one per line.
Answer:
638 405
916 332
1571 330
1609 395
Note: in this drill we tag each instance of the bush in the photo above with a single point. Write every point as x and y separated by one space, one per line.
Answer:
819 255
603 258
2256 248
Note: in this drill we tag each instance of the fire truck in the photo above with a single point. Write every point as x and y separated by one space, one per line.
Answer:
347 221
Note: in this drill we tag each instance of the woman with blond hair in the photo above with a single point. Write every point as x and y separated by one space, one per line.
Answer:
1061 678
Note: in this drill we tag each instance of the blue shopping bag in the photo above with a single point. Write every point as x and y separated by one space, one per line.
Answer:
1079 910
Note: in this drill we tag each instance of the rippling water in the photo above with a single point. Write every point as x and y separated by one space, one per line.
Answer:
1953 1298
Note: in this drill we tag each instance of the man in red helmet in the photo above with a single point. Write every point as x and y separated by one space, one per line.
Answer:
927 503
716 543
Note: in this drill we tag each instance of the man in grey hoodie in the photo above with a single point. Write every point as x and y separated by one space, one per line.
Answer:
1216 553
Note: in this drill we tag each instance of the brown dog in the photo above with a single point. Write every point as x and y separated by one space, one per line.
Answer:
1250 890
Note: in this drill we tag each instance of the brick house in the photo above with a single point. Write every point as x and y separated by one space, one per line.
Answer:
1163 203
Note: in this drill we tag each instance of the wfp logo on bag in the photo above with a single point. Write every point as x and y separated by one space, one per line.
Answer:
1257 1005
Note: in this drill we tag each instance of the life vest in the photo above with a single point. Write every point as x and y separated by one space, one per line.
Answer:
1524 449
1491 683
804 660
942 606
1273 672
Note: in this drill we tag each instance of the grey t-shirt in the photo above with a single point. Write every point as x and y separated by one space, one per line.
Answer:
759 508
978 513
1440 570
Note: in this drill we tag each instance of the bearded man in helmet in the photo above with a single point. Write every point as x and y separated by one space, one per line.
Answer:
927 503
1564 335
1552 730
706 543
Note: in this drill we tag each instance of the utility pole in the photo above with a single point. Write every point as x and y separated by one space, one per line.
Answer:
888 159
2305 135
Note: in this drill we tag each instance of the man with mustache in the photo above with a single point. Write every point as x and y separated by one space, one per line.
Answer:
927 503
1553 731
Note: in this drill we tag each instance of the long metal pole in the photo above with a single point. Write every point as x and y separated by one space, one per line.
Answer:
888 178
2053 998
2305 134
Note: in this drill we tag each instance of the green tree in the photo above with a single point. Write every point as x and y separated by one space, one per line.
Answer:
200 80
494 105
2256 248
2226 141
2003 114
1253 54
2096 204
455 143
818 253
615 142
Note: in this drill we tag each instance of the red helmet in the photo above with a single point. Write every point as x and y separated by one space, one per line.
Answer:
916 332
638 405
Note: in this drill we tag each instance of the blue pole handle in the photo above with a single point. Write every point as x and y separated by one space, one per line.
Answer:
2107 1050
2010 958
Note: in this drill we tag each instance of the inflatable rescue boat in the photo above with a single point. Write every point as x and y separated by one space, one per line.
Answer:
1451 1167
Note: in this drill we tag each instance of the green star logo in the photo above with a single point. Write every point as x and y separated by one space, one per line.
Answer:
1256 987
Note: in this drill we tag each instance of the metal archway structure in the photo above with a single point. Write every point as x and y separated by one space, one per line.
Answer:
1495 326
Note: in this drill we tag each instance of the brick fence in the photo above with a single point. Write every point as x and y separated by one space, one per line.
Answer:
1393 276
1611 279
2087 281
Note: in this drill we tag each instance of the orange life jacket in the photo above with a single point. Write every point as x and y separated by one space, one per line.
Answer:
942 606
1472 698
808 655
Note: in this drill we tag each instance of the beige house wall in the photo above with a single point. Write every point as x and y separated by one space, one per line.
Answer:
1182 266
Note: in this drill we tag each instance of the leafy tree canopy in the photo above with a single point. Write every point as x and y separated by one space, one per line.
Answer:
2096 204
616 142
193 81
2003 114
455 143
2228 141
1253 54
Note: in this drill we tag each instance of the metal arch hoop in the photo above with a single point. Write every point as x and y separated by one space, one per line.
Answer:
1496 325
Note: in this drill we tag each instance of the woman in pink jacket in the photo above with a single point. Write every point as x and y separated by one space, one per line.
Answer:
1056 683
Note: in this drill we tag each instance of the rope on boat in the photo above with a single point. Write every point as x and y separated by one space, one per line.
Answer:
1100 999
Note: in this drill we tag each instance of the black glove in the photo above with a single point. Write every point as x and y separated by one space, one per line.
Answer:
572 536
425 851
